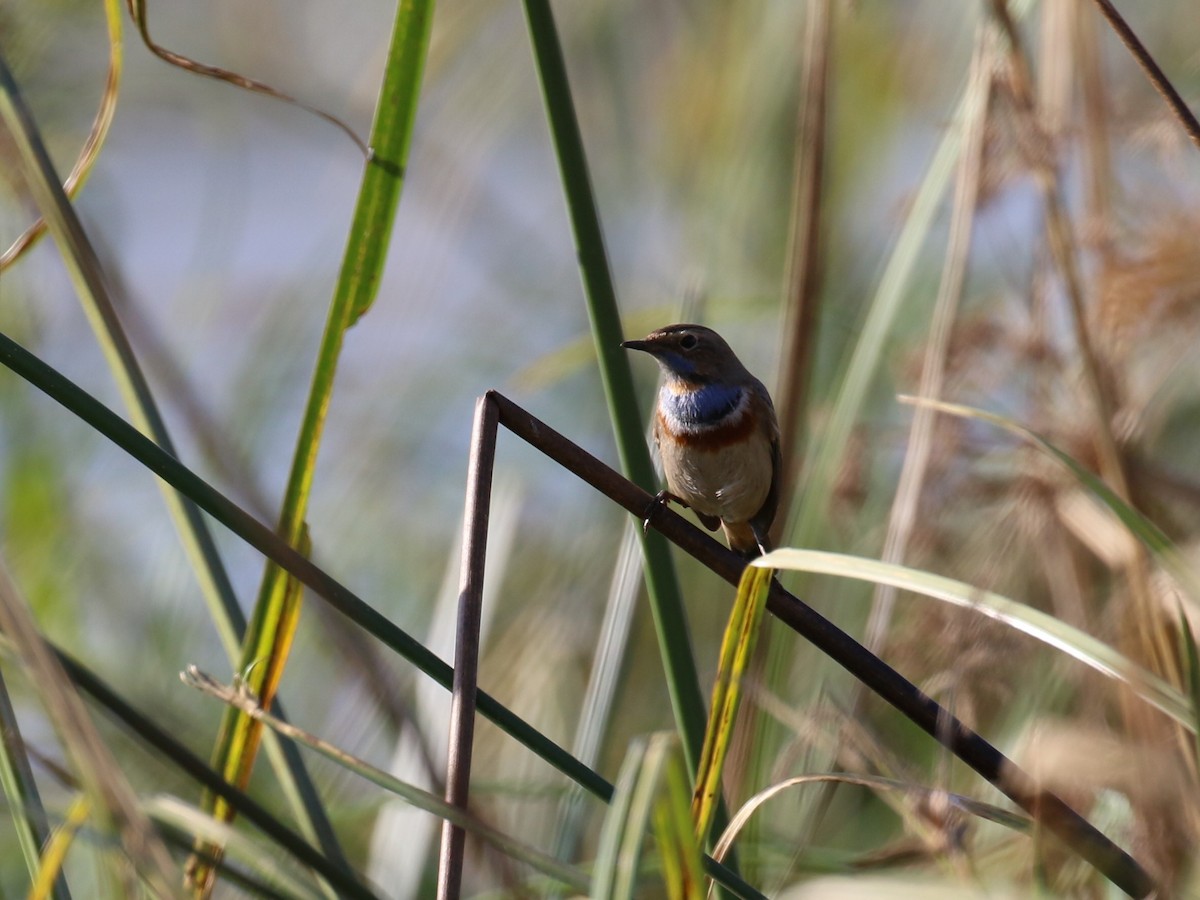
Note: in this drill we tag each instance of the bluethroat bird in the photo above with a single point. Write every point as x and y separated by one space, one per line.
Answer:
715 429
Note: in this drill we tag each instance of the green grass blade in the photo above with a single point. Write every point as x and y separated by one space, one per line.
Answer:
652 791
87 275
737 648
678 846
1191 669
24 801
598 700
356 289
627 824
661 582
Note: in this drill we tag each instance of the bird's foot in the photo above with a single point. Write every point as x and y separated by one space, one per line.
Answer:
662 498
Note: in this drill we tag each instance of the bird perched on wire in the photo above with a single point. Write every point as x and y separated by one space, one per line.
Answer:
715 429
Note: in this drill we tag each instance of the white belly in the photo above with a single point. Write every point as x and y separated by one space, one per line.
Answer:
731 482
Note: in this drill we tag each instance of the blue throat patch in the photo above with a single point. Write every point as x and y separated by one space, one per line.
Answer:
678 364
706 405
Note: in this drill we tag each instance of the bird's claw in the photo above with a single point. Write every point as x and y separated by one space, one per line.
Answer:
662 498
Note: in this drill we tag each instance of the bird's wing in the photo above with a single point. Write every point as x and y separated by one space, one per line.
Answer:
770 425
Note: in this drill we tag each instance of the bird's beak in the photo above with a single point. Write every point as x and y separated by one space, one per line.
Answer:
636 345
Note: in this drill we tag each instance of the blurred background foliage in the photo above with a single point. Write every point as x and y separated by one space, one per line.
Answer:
222 216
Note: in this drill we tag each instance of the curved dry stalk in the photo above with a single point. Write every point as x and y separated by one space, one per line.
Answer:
974 807
95 139
137 11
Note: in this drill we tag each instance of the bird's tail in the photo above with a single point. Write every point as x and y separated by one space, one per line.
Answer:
744 539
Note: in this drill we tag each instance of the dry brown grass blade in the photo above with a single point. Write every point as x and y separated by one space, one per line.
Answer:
804 271
802 289
916 459
1069 63
1097 151
137 11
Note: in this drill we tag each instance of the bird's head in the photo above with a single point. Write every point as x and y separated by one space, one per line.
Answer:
691 353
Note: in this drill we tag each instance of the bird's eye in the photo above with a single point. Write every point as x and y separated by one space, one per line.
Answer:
688 342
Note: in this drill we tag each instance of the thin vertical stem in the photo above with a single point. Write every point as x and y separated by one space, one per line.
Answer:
803 279
1097 158
933 368
662 585
466 647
